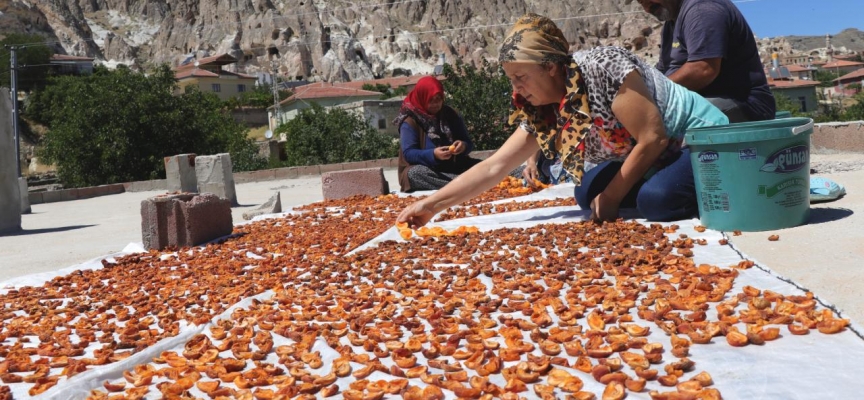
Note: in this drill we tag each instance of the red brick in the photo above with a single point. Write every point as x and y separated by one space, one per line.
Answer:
184 220
369 181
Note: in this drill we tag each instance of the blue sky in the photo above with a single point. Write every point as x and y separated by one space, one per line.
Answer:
770 18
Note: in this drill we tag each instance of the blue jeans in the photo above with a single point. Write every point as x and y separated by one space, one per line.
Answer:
668 195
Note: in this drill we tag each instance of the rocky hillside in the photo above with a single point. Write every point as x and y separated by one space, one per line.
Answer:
848 40
335 40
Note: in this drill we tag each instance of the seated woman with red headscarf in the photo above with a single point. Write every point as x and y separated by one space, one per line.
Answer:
434 143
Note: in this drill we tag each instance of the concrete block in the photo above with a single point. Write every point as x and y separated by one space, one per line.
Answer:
384 163
25 196
272 206
89 192
180 173
369 181
35 198
325 168
182 220
146 186
54 196
287 173
354 165
840 136
215 176
10 190
307 170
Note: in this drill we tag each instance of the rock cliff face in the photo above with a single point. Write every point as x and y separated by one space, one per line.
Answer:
333 40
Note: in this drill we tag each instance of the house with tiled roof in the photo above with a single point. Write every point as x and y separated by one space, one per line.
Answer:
802 72
321 93
209 75
801 92
63 64
396 82
850 83
842 67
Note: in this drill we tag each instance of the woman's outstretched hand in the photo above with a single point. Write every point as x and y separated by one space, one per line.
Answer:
416 215
604 208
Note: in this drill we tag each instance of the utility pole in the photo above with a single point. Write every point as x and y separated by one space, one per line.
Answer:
276 112
15 107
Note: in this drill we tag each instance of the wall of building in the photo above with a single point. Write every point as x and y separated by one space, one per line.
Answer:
228 86
796 94
290 111
251 117
840 136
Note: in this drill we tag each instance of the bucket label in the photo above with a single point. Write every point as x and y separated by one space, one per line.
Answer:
747 154
787 160
708 156
771 191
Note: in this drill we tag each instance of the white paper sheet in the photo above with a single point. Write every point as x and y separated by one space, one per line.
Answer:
792 367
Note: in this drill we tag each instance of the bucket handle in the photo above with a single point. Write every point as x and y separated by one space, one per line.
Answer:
803 128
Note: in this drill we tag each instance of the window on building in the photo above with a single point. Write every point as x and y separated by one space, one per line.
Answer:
241 88
803 101
216 88
382 124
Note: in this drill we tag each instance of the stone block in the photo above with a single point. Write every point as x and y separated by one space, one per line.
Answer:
840 136
286 173
55 196
35 198
23 190
10 189
181 174
325 168
182 220
146 186
215 176
308 170
89 192
383 163
368 181
354 165
272 206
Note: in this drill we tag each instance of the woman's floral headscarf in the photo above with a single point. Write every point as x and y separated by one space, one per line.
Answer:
536 39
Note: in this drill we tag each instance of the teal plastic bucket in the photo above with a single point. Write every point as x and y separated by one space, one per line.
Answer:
782 114
752 176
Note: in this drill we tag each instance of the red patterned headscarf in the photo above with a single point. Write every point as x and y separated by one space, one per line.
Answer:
416 106
418 100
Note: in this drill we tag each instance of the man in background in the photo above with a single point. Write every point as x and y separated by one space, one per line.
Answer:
708 47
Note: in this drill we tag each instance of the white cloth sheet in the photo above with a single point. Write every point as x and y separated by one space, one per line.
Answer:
792 367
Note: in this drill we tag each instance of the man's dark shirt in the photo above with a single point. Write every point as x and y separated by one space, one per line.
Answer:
716 29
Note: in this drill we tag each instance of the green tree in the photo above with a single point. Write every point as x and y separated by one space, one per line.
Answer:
386 91
826 77
32 61
855 112
482 96
117 126
261 96
328 136
784 103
